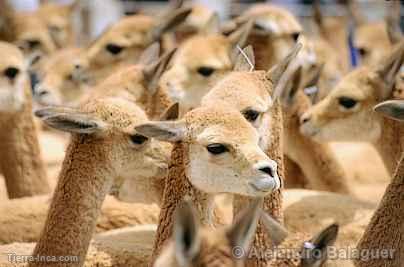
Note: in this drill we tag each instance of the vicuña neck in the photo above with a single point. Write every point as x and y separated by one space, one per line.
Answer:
84 181
20 157
176 189
386 228
391 143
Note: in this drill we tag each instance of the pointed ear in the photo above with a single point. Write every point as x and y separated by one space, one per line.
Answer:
389 68
292 85
187 239
317 14
239 37
393 109
212 26
354 12
242 231
170 131
245 60
74 5
71 120
276 231
277 72
393 22
150 54
153 71
171 113
318 246
169 22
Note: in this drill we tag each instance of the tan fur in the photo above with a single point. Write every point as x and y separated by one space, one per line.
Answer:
329 122
59 21
373 39
21 161
316 160
183 180
31 28
63 78
91 163
183 82
24 218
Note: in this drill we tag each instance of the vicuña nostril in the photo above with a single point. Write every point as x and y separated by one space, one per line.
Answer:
268 170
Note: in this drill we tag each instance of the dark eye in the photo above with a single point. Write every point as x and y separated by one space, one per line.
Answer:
114 49
251 115
33 43
347 102
295 36
138 139
11 72
54 29
362 51
69 77
217 149
206 71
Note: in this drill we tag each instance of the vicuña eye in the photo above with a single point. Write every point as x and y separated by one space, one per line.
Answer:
11 72
114 49
362 51
217 149
33 43
347 102
295 36
206 71
138 139
251 115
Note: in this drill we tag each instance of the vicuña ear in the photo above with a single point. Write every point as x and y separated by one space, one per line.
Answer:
73 6
354 12
171 113
393 22
242 231
245 60
153 71
170 131
239 37
292 85
393 109
187 239
71 120
212 26
318 245
276 231
150 54
277 73
169 22
389 68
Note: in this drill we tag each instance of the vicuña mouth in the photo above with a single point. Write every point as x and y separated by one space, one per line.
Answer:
265 185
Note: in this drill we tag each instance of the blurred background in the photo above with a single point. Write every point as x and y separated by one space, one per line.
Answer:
98 14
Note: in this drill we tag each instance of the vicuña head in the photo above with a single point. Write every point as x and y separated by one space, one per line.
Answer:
13 79
192 245
109 123
62 78
222 151
199 63
346 113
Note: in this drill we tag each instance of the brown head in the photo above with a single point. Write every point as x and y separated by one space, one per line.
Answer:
193 246
370 38
346 113
298 249
108 124
253 92
222 149
59 22
13 79
199 63
63 78
32 34
125 40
